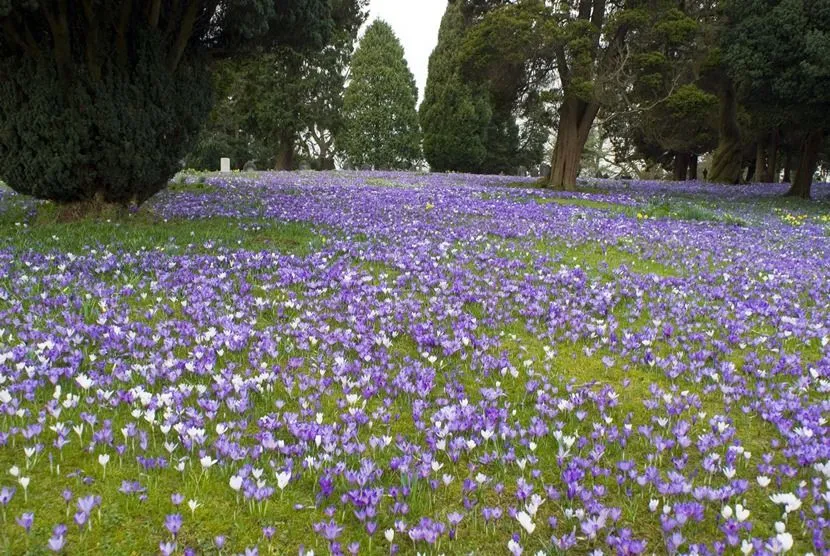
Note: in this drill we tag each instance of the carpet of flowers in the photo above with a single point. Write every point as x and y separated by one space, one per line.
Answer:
434 364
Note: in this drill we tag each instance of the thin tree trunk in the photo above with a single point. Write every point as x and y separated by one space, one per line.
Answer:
727 161
681 166
788 166
807 164
771 175
575 120
693 161
760 161
750 172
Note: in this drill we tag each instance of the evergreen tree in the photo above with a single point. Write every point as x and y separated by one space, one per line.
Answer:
381 122
273 104
777 53
102 99
588 49
455 114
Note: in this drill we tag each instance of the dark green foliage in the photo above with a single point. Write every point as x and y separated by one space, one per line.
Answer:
102 99
117 139
777 53
455 114
588 56
280 105
477 93
381 123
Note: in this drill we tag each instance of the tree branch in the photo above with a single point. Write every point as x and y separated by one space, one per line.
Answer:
92 41
185 32
59 26
121 45
155 13
562 64
11 32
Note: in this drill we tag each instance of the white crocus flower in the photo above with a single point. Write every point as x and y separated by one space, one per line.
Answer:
526 522
282 479
788 499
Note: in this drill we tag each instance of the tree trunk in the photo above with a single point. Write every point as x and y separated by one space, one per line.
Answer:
575 120
727 161
285 153
788 165
681 166
807 164
760 161
771 174
750 172
693 167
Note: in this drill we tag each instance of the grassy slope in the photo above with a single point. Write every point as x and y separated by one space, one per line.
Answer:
130 526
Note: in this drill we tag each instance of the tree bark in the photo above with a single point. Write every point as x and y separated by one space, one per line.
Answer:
750 171
760 161
285 153
121 49
726 162
807 164
681 166
771 174
576 117
186 26
61 38
788 165
693 161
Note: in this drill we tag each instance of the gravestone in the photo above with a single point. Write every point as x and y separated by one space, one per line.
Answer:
250 166
522 171
545 171
305 166
225 164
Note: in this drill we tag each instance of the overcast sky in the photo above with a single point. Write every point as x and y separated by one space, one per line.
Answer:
416 24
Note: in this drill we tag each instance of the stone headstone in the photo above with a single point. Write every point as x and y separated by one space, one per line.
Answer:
522 171
225 164
545 171
304 165
534 171
250 166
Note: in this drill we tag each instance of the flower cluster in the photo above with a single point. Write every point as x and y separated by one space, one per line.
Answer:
452 366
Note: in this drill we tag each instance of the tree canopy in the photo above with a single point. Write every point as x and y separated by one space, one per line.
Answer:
381 128
124 86
778 54
455 114
277 105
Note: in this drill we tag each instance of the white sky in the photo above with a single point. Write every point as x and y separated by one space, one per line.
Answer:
416 23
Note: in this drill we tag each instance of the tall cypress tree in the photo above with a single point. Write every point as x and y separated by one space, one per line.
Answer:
381 121
455 114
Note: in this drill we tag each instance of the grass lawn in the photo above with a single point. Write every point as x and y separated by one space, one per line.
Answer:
417 364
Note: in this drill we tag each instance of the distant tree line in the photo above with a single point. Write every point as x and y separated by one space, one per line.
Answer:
743 83
105 100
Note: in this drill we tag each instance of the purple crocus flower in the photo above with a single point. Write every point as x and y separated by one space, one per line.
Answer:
25 520
173 523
